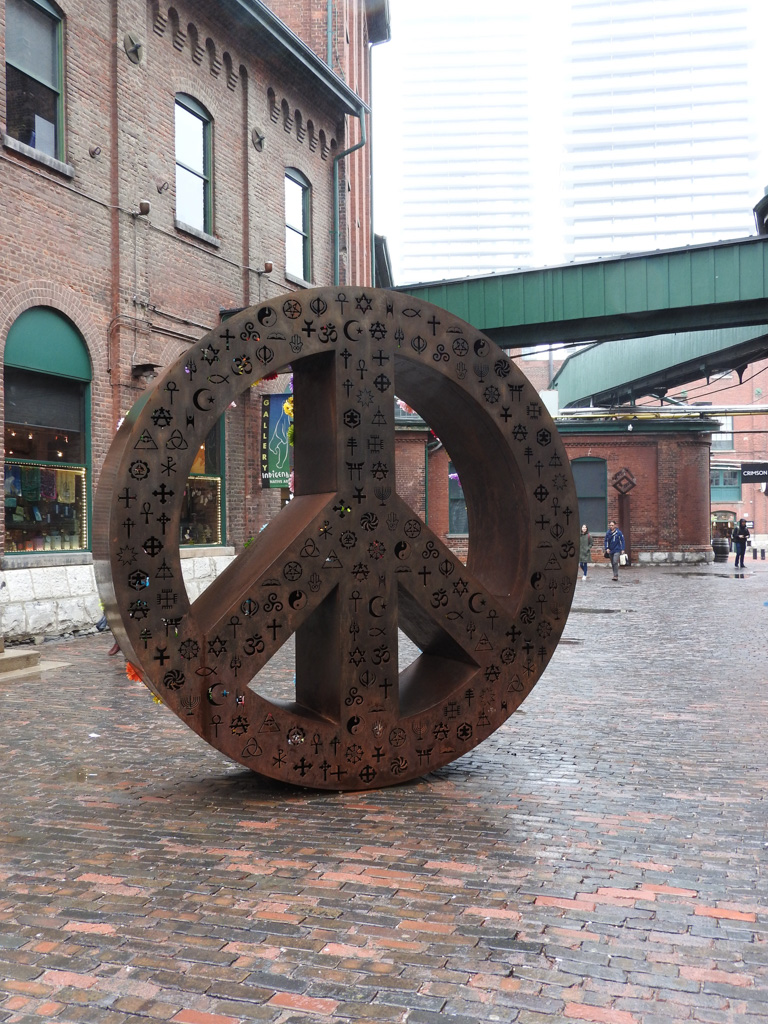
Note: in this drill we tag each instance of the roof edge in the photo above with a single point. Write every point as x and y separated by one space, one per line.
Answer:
295 47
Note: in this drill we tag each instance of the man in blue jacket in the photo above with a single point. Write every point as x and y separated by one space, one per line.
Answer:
614 546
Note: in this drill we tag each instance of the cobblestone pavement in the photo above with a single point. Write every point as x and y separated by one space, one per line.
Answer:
602 857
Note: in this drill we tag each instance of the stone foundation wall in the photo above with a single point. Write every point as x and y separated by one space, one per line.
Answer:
51 601
674 557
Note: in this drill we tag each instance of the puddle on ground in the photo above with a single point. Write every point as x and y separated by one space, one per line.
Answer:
601 611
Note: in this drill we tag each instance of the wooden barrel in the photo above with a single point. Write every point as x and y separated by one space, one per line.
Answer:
721 549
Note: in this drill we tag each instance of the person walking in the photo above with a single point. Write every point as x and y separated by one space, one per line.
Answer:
614 547
585 550
740 538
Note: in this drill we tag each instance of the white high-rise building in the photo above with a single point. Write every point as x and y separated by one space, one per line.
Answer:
516 134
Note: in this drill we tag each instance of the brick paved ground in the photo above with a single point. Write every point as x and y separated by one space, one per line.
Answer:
601 858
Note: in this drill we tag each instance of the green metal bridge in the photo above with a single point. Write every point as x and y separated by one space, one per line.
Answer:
674 316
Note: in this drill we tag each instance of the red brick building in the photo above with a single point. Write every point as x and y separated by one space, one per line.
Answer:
158 164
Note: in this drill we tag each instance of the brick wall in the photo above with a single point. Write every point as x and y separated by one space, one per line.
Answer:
137 288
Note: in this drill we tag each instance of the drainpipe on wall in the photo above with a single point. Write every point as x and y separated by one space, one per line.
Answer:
336 212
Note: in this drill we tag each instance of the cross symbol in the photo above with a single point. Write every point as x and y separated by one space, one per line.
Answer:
346 355
226 337
433 324
302 767
163 494
128 525
385 687
380 358
424 572
274 625
127 497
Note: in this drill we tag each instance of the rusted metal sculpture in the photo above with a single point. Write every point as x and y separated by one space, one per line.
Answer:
346 562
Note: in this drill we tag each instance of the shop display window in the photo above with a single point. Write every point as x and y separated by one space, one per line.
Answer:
201 512
45 472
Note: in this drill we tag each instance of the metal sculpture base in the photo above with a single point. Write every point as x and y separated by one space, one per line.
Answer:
346 562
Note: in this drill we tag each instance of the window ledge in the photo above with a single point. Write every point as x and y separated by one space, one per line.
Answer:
206 551
196 233
45 559
38 156
298 280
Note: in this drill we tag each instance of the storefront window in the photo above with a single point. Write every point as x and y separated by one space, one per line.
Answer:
202 511
45 463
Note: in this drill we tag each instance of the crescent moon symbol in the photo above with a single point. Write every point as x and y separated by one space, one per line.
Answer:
196 399
372 606
346 329
472 602
211 688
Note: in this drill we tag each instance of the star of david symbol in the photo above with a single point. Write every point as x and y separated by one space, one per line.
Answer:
210 355
363 303
217 647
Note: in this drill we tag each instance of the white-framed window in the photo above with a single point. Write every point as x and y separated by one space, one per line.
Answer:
722 441
193 164
298 238
34 105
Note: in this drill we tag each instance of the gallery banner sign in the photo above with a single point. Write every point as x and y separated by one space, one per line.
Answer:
275 450
754 472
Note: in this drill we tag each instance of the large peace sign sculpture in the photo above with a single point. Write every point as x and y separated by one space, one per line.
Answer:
346 562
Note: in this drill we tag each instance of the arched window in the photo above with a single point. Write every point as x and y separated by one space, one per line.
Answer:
47 442
193 165
591 479
298 219
34 108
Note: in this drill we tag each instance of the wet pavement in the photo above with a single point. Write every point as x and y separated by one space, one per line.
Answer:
602 857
